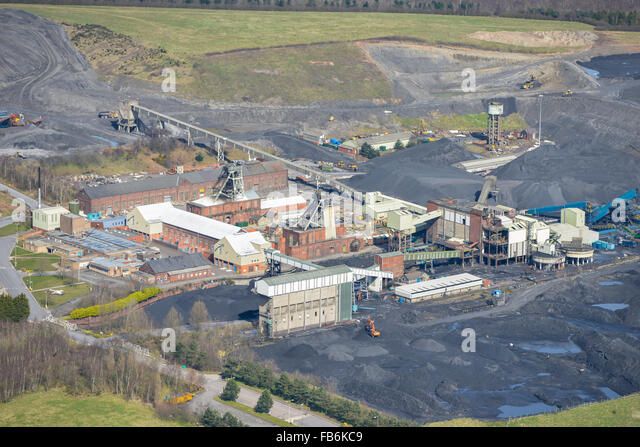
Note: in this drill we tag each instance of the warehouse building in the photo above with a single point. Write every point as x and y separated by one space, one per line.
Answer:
178 268
378 142
189 232
48 219
242 253
436 288
115 198
306 300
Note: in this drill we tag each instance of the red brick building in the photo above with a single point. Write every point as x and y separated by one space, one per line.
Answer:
229 212
262 177
178 268
391 262
312 243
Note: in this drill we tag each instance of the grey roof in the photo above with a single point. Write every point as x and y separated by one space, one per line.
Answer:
153 183
310 274
178 263
169 181
262 167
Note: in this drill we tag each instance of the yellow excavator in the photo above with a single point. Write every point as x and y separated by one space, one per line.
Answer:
568 93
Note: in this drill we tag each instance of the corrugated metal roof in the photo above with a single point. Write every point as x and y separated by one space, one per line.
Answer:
169 181
153 183
166 213
311 274
433 284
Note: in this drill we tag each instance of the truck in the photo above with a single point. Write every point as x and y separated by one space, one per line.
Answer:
628 243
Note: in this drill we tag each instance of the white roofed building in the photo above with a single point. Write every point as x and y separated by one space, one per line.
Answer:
190 232
242 253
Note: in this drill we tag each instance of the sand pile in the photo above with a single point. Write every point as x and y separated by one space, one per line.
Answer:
538 38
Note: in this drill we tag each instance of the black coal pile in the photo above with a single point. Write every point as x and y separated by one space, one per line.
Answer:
224 303
293 147
615 65
595 157
420 173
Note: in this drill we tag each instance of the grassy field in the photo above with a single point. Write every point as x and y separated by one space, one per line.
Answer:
57 409
194 32
140 42
72 289
469 122
6 208
290 75
248 409
13 228
37 262
621 412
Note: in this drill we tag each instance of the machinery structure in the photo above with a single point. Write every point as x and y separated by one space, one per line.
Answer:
370 327
495 111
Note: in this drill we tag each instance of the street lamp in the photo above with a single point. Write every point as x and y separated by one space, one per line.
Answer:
540 123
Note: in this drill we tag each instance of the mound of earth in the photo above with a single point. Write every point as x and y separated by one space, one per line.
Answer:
538 38
429 345
301 351
420 173
595 156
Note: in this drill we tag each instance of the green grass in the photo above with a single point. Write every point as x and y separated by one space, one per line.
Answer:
469 122
58 409
192 40
13 228
248 409
37 262
621 412
72 289
191 32
288 75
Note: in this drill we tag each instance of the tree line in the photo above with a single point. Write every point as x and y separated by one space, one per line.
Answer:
300 391
612 13
14 309
37 357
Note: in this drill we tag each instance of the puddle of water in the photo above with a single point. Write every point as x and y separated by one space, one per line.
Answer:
609 392
611 283
511 411
611 306
516 385
543 374
594 73
551 347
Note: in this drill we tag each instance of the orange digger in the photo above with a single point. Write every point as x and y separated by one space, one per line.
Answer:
371 328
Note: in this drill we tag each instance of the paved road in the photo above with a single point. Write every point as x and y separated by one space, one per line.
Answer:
12 280
32 203
214 385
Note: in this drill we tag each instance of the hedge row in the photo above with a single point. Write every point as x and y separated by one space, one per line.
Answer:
114 306
317 398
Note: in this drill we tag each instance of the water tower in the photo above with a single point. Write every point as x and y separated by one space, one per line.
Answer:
495 111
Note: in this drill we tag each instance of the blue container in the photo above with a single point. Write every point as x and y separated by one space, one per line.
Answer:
334 141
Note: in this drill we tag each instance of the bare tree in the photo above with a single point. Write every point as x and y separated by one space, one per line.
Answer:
173 318
199 314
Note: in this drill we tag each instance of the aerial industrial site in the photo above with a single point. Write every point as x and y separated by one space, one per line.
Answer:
455 244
